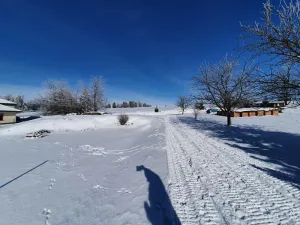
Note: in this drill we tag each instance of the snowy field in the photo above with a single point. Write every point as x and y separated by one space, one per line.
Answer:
148 111
72 123
90 176
159 169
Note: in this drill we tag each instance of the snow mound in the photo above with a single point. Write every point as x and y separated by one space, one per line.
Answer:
72 123
38 134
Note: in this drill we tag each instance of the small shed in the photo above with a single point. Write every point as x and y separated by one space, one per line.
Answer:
236 114
8 114
245 114
275 112
252 113
260 112
268 113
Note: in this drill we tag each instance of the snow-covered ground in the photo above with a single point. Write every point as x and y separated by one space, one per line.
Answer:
72 123
245 174
148 111
161 167
90 177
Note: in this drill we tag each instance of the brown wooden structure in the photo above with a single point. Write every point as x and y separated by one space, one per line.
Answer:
251 112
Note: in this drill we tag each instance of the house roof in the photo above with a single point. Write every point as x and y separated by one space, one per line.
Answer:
274 102
4 108
4 101
252 109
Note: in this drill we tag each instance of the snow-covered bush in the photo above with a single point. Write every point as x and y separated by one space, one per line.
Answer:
123 118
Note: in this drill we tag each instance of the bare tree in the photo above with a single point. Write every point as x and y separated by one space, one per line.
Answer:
59 99
9 98
183 103
278 34
225 84
19 100
282 84
85 100
97 93
33 105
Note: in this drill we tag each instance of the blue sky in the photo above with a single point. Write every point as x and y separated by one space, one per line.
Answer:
145 50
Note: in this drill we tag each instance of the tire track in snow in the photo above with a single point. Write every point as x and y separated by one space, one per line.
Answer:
240 193
229 204
191 200
279 200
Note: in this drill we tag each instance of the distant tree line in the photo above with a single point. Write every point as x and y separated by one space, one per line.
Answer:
59 99
130 104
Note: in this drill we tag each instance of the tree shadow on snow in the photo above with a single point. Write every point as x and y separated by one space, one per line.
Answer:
27 118
159 210
279 148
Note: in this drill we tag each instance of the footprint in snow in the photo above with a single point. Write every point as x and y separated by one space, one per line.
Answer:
47 213
81 175
57 165
99 187
120 159
124 190
96 151
52 181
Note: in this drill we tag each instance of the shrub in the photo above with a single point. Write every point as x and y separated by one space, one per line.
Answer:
123 118
156 109
199 105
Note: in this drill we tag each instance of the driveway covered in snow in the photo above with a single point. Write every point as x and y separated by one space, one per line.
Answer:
219 176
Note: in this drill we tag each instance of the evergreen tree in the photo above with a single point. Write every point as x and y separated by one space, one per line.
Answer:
131 104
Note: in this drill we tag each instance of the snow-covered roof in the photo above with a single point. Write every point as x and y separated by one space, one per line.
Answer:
4 101
252 109
273 101
4 108
276 102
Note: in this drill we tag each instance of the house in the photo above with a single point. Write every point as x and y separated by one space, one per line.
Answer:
249 112
276 104
272 104
8 112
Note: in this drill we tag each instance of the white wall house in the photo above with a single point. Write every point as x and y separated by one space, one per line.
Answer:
8 111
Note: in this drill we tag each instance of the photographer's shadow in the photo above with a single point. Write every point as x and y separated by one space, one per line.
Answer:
159 210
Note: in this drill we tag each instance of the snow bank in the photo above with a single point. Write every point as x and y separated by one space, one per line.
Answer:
72 123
